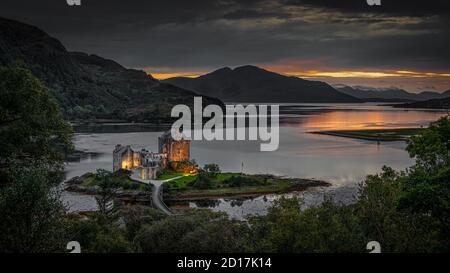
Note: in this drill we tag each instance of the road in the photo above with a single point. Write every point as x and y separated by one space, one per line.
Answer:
157 199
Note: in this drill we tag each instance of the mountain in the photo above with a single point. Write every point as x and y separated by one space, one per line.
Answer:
88 86
428 95
388 94
253 84
446 94
428 104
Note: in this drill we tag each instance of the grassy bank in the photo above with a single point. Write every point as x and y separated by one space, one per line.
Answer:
122 182
168 175
399 134
233 184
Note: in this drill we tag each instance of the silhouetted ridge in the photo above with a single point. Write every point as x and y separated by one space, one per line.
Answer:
253 84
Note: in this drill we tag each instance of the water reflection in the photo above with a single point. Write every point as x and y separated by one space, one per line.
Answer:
374 117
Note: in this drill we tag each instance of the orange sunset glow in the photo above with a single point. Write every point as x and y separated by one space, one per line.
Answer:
366 74
163 76
320 73
408 79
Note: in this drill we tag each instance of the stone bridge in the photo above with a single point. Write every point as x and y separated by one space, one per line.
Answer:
157 199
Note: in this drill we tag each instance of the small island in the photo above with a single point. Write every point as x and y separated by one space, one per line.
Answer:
397 134
209 184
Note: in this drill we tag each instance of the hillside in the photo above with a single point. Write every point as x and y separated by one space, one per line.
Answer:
253 84
428 104
388 94
88 86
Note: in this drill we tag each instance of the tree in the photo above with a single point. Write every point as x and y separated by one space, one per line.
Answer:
34 138
427 187
211 169
431 147
96 235
164 236
32 129
135 217
203 181
108 188
325 228
382 220
32 215
219 236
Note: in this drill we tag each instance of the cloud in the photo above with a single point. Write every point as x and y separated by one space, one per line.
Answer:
179 36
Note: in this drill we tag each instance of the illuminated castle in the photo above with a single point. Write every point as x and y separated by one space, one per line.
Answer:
148 163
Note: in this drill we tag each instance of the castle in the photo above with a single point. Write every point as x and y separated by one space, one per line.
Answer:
147 163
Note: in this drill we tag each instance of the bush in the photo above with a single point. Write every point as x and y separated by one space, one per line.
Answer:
203 181
211 169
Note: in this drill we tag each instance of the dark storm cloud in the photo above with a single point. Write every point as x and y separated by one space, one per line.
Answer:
200 35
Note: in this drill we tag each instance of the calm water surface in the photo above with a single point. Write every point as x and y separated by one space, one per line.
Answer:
342 161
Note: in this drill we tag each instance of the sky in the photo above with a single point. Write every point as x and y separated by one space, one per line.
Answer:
400 43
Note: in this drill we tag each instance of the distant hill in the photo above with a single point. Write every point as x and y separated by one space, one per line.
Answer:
428 104
428 95
388 94
253 84
386 100
88 86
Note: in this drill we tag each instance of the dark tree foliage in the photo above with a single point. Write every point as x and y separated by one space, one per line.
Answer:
427 187
199 231
32 130
211 169
97 234
108 188
34 138
326 228
203 181
32 216
135 217
431 147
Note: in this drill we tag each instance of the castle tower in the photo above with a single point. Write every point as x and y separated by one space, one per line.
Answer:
124 158
176 150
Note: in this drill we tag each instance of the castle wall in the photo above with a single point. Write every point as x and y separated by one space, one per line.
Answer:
136 159
117 161
148 172
179 151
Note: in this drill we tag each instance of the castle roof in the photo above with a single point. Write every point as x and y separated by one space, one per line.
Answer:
122 149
